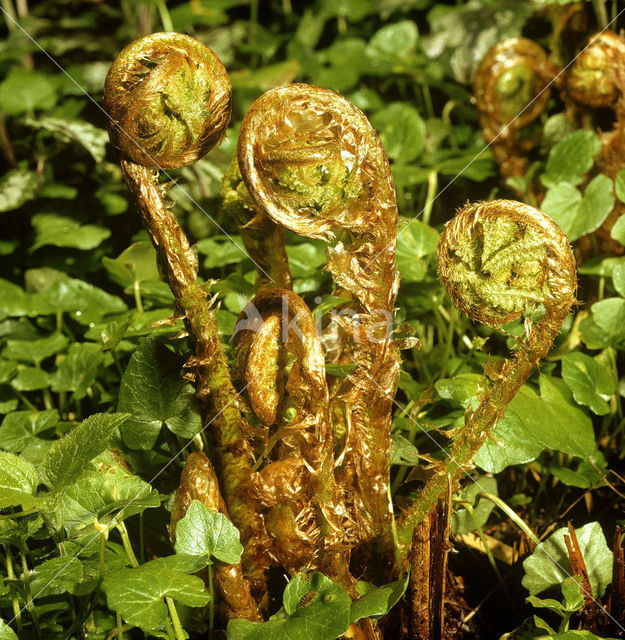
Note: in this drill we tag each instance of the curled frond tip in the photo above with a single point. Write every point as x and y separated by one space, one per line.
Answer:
169 99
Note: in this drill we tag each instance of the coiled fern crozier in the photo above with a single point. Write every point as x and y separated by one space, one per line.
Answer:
301 458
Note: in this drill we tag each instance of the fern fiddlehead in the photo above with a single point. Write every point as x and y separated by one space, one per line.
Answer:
151 89
314 164
500 261
280 364
511 91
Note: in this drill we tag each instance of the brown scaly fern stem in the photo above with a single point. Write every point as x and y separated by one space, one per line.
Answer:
314 164
500 261
158 122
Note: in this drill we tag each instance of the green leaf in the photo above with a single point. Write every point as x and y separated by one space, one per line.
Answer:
138 594
56 576
619 185
596 205
394 42
78 370
67 457
415 240
154 393
17 187
207 533
590 382
24 90
86 303
325 614
609 316
571 158
15 302
401 129
577 215
34 351
6 633
403 452
61 231
110 490
549 563
18 481
92 138
306 259
30 379
618 278
134 265
377 601
20 429
221 250
461 520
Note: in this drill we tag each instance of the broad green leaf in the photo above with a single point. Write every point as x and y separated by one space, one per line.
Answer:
136 264
78 370
138 594
6 633
549 564
19 429
67 458
618 230
403 452
34 351
619 185
17 187
394 42
24 90
377 601
609 316
30 379
92 138
459 389
401 129
306 259
153 392
415 240
208 534
18 481
8 368
220 251
109 490
596 205
571 158
618 278
15 302
62 231
589 381
56 576
561 204
509 443
324 616
86 303
461 520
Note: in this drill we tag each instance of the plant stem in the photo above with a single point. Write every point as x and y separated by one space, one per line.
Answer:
211 604
178 630
600 13
430 196
123 532
17 612
164 15
136 289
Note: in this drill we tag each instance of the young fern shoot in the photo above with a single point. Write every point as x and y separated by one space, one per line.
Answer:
169 99
314 164
500 261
